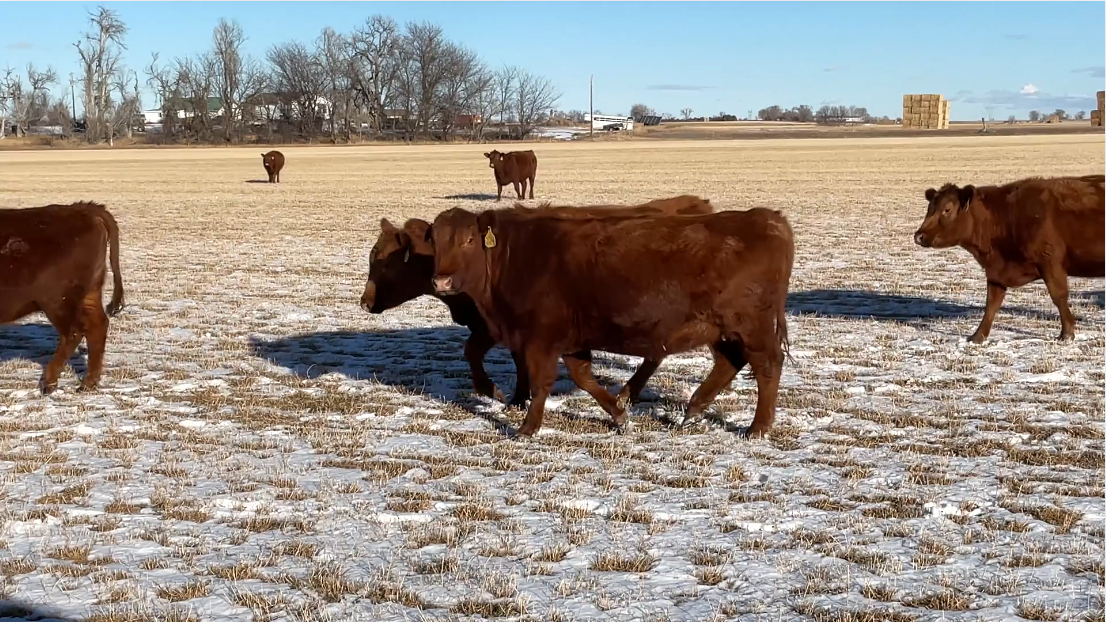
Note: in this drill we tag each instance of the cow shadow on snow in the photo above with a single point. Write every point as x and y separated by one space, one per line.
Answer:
36 343
477 196
19 612
862 304
429 361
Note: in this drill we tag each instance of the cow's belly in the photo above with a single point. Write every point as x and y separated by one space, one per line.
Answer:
14 304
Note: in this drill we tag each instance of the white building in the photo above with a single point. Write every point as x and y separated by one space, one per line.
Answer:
606 122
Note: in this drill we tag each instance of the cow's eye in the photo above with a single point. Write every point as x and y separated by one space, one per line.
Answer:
468 242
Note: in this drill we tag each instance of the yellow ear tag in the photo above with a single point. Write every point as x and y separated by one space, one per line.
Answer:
489 239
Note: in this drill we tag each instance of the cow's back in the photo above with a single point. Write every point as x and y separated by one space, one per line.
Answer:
1042 216
622 280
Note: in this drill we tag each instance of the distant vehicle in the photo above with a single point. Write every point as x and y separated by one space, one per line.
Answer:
602 122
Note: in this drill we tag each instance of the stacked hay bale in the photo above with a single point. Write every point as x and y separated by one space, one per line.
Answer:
1098 116
925 112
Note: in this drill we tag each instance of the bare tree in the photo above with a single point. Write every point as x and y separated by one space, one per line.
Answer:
686 113
506 86
484 101
25 104
462 86
638 111
237 79
425 53
1034 116
1082 114
298 75
196 77
535 95
101 56
123 114
375 66
333 52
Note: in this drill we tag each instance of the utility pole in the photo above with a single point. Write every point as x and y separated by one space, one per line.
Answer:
591 106
72 98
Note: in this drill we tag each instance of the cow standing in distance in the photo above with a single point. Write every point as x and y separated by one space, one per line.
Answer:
641 286
515 168
1035 228
402 268
273 161
52 260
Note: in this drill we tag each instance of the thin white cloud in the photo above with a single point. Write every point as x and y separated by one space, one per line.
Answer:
677 87
19 45
1097 71
1029 89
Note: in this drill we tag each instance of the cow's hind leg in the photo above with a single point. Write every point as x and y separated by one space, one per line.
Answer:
531 186
766 361
499 192
476 348
541 365
578 365
93 320
522 382
995 295
729 358
1056 280
632 390
61 316
518 191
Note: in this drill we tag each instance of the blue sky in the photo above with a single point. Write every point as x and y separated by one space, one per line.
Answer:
709 56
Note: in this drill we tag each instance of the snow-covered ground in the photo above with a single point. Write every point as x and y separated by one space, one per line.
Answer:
263 449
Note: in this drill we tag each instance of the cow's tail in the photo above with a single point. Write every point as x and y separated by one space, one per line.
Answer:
781 332
117 303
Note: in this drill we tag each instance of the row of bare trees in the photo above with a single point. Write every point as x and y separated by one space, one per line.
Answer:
380 78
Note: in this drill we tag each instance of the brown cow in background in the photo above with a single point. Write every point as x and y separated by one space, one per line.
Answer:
52 260
513 167
273 161
1035 228
641 286
402 268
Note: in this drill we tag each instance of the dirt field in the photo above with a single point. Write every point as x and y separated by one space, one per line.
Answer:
261 444
756 130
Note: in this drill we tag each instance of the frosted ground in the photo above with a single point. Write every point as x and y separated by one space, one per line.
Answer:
261 448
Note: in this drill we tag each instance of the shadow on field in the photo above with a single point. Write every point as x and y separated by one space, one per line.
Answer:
422 360
257 181
35 343
469 197
1095 298
14 611
860 304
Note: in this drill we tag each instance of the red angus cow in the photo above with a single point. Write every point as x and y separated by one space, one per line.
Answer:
642 286
273 161
1036 228
402 268
513 167
52 260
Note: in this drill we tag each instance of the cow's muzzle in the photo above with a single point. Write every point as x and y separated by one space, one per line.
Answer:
368 299
921 239
443 285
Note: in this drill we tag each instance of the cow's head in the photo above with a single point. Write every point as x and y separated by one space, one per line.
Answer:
266 160
400 267
495 158
461 240
948 220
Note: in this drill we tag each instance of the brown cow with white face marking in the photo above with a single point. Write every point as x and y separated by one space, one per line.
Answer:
1035 228
52 260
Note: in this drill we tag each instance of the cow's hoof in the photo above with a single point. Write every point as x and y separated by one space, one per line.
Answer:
1066 336
752 433
87 388
47 389
977 337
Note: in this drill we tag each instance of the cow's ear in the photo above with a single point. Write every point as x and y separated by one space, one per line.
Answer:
418 235
387 227
930 193
488 155
966 194
429 237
